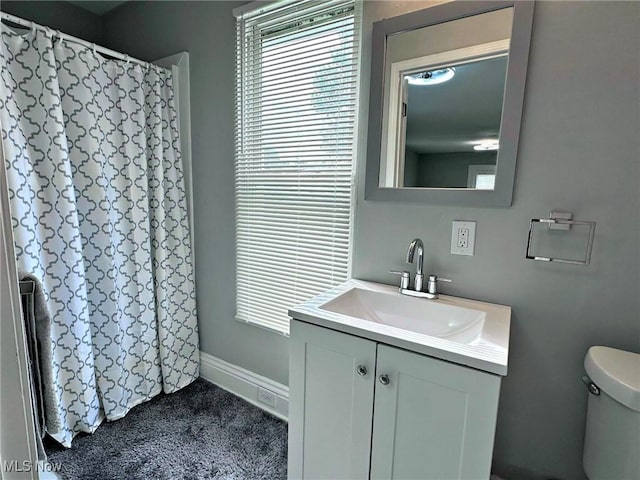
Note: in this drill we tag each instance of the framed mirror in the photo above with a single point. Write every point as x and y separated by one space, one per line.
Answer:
447 89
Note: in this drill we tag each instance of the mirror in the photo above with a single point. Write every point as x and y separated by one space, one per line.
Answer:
447 86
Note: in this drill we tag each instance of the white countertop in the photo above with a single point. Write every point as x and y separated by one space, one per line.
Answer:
489 352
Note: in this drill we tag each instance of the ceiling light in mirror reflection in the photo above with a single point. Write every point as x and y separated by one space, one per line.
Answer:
433 77
484 145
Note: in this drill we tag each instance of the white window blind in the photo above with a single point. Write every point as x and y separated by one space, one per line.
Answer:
296 87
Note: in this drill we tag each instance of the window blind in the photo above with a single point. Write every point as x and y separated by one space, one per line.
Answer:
296 91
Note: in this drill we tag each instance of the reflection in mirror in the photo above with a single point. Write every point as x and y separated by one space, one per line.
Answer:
452 127
443 108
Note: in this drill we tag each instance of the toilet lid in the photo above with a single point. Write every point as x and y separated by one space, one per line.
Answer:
617 373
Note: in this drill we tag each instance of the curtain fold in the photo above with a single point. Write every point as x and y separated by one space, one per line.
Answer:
99 214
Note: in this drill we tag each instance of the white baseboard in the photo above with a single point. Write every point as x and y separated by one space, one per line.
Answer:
244 383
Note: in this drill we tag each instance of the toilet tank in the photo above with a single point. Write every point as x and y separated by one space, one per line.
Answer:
612 436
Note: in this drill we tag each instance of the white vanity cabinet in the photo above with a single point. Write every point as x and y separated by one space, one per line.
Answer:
363 409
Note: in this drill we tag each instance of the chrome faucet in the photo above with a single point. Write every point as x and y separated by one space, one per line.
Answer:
432 284
419 278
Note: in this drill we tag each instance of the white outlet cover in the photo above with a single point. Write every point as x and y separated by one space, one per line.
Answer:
267 397
471 242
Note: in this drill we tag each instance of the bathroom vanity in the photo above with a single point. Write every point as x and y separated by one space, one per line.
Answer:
388 386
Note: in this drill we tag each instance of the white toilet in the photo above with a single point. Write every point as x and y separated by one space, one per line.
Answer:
612 437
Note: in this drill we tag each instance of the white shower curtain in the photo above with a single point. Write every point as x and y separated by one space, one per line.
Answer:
99 215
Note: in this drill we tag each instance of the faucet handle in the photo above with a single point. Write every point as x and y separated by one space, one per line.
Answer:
435 278
432 283
404 277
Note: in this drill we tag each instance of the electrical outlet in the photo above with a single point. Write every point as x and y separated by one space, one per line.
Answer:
267 397
463 237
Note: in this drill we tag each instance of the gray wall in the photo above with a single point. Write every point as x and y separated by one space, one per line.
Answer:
579 151
63 16
150 30
450 169
411 159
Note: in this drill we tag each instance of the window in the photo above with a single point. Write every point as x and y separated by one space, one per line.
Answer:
481 177
296 92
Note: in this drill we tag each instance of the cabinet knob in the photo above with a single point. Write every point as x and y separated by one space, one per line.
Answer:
362 370
384 379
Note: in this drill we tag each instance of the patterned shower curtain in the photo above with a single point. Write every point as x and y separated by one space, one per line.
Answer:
99 215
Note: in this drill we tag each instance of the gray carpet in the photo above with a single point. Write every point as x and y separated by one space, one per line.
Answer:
200 432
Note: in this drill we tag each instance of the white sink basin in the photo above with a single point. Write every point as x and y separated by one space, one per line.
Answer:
454 329
417 315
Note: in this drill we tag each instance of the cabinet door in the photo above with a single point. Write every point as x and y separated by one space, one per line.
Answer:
330 403
433 420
